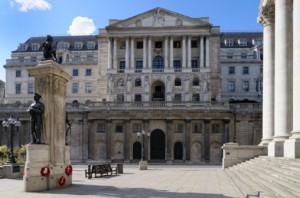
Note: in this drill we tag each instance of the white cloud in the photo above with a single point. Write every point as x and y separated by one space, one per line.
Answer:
82 26
25 5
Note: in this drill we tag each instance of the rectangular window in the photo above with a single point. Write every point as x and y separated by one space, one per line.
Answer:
91 45
259 86
195 66
18 73
197 128
245 70
77 59
177 44
18 88
90 58
122 67
177 65
242 42
177 98
30 88
137 97
139 45
194 44
179 128
196 98
88 72
137 127
75 88
78 45
101 128
75 72
243 56
120 98
231 86
231 70
245 85
229 42
123 45
119 128
158 44
35 47
216 128
88 87
139 67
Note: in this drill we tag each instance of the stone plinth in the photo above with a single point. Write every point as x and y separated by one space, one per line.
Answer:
143 165
275 148
292 147
53 155
11 171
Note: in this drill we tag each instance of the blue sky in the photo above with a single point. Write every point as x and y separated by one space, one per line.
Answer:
22 19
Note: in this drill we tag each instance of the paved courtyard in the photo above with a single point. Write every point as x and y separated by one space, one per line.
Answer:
159 181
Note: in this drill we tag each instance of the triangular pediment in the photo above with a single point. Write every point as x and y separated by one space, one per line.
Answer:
159 17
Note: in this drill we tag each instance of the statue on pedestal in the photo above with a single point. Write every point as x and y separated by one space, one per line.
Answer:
36 111
48 51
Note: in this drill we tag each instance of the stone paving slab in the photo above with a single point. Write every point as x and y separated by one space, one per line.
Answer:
159 181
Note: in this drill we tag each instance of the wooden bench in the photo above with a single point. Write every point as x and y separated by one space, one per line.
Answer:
100 170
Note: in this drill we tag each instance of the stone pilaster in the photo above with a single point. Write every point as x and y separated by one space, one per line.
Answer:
144 52
166 52
149 52
207 51
189 53
115 59
127 66
132 62
201 51
171 52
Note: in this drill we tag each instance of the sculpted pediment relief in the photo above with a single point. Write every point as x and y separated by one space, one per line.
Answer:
159 17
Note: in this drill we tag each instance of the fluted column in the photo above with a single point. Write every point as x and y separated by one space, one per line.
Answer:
292 146
109 55
184 52
189 54
132 65
115 59
283 77
201 51
144 52
149 52
127 54
267 19
171 52
207 52
166 52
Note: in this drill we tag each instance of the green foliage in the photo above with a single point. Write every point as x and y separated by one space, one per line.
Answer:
19 153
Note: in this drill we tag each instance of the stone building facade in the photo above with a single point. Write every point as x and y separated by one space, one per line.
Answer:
2 91
159 72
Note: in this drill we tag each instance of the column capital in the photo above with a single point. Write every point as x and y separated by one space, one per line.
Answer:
267 15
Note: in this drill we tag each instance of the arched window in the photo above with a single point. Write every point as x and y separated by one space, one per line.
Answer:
158 64
196 82
138 82
120 82
177 82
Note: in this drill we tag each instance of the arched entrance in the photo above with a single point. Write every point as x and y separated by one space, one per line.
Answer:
157 145
137 149
158 91
178 151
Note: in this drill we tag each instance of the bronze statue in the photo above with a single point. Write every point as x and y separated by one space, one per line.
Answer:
49 51
36 111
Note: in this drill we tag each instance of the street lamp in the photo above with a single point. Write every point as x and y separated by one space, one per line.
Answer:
11 122
142 135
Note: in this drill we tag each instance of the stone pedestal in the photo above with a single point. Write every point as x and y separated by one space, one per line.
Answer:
292 146
11 171
143 165
48 164
275 148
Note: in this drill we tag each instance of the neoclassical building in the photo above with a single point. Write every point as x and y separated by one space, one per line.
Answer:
160 72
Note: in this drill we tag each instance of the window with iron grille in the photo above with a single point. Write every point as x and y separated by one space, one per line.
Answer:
216 128
196 98
101 128
137 97
177 82
139 44
138 82
197 128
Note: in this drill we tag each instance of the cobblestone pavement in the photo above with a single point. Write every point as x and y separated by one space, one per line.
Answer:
159 181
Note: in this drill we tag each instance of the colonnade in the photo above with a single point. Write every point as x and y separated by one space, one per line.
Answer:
281 77
149 52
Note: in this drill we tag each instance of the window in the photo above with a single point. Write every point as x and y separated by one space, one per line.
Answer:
231 70
197 128
177 82
88 72
120 98
78 45
35 47
261 69
139 45
177 65
120 82
30 88
245 70
177 98
194 44
196 82
242 42
75 88
90 58
177 44
18 73
122 67
139 67
231 86
194 64
77 59
137 97
179 128
158 44
123 45
229 42
158 64
245 85
137 127
229 55
138 82
196 98
18 88
119 128
63 46
91 45
75 72
88 87
100 128
23 47
216 128
259 86
243 56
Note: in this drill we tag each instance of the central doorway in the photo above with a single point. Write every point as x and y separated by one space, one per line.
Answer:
157 145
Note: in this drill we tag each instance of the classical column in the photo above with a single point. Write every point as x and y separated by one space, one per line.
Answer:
183 52
166 52
201 51
109 54
149 52
132 65
207 51
115 59
144 52
171 52
189 59
127 54
292 146
267 20
283 77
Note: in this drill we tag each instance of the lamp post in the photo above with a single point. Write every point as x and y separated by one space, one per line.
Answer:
12 123
143 134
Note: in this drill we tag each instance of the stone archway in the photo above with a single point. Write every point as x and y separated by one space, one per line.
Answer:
158 91
157 145
137 151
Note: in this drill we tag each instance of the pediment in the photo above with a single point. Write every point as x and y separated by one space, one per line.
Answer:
158 17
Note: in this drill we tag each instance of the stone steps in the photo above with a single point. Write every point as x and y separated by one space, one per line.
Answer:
272 177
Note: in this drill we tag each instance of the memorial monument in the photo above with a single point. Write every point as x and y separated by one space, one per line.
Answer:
48 164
